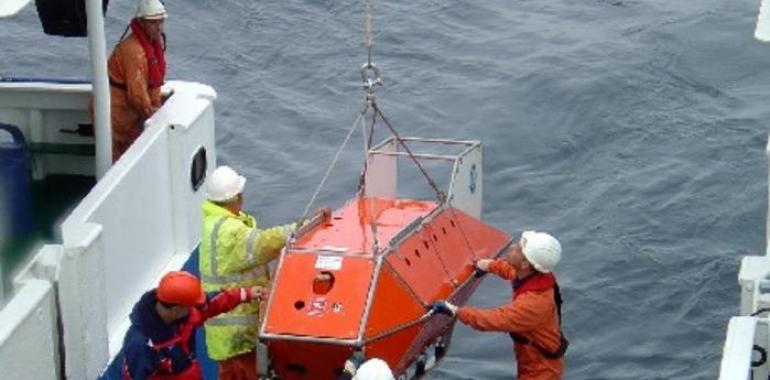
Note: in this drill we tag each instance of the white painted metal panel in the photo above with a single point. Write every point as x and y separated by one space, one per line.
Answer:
754 272
767 221
192 130
762 31
42 111
382 172
82 296
146 207
39 95
736 358
11 7
141 219
28 343
466 188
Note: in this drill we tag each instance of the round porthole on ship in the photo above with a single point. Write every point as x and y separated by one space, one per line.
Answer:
299 305
198 169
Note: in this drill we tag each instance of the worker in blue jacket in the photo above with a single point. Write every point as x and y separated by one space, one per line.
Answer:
159 344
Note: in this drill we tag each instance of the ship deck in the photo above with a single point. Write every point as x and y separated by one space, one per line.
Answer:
51 200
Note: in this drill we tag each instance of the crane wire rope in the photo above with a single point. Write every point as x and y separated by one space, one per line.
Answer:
370 75
334 162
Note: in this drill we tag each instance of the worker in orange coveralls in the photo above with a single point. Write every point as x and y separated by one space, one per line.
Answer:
137 70
533 317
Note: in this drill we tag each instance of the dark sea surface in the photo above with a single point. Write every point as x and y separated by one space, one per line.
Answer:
634 131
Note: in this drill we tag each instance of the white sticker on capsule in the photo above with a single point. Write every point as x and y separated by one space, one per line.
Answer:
328 262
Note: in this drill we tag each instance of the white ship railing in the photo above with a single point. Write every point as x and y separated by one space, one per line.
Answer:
745 353
69 311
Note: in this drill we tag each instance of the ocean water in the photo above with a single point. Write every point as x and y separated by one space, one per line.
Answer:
634 131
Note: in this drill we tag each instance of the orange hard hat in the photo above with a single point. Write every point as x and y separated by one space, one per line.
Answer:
181 288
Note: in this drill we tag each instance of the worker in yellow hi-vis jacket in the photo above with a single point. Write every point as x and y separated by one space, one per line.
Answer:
234 252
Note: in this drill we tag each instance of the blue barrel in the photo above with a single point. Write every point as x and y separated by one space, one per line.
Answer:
14 182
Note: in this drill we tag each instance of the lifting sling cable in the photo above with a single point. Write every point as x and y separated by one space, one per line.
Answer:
370 74
368 32
358 121
371 78
367 146
439 194
369 85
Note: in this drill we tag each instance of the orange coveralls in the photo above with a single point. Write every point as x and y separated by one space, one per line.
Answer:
133 101
532 315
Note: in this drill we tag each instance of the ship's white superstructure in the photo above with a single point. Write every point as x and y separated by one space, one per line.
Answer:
65 311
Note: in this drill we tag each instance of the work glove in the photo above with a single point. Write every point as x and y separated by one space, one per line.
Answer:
353 362
483 264
258 293
288 230
442 307
325 212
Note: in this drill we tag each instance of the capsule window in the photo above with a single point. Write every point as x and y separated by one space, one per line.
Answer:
417 252
323 283
299 305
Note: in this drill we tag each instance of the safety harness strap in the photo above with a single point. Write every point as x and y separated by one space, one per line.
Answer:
122 86
558 353
563 344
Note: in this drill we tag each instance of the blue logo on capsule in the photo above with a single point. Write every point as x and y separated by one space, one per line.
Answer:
474 176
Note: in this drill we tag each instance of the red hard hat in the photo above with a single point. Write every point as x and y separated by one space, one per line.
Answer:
181 288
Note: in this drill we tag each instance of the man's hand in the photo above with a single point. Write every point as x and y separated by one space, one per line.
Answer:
148 111
483 264
258 293
442 307
325 212
288 231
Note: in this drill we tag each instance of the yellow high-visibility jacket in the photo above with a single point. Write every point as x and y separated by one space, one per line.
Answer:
234 252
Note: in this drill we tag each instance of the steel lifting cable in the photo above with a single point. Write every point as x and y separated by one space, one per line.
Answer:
362 183
370 75
370 83
368 31
334 161
368 135
462 232
439 194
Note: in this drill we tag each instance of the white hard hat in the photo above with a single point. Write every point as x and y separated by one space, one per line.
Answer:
151 10
374 369
542 250
224 184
